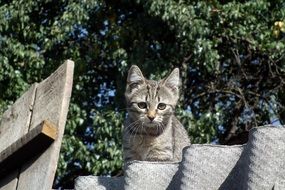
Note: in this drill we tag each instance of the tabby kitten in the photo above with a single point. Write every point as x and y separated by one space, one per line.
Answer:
151 130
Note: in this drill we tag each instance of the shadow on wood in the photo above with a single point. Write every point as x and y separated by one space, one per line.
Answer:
33 143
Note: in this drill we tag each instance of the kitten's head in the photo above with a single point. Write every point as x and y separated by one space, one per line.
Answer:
150 103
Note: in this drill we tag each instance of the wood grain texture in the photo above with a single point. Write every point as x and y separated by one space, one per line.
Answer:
51 103
31 144
16 120
15 123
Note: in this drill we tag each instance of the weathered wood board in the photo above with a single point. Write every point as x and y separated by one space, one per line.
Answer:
15 123
16 120
51 103
28 146
47 100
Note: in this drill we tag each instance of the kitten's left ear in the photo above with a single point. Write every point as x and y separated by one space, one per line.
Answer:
173 80
135 77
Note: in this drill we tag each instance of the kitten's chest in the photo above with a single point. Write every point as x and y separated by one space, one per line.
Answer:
147 147
142 149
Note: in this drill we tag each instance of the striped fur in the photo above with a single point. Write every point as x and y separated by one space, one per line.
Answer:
151 130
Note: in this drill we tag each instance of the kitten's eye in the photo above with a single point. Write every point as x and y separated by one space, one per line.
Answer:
161 106
142 105
134 85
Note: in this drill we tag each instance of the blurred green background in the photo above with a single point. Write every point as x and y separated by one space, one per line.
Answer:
231 56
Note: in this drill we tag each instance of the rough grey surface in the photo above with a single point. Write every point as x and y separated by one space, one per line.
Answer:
260 164
207 166
280 182
149 175
98 183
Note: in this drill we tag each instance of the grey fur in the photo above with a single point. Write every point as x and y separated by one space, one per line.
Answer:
151 130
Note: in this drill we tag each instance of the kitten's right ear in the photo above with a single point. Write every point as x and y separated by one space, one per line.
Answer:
135 77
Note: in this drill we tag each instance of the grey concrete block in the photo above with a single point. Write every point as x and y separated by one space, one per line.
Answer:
99 183
260 164
142 175
207 166
261 161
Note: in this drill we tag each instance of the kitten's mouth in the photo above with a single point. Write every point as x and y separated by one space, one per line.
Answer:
151 124
151 129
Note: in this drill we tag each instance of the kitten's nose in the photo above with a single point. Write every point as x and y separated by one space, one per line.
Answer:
151 117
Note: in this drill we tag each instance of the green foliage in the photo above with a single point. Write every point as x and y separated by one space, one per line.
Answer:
230 55
203 130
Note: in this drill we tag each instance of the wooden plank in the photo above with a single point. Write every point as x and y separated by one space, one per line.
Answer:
51 103
15 123
28 146
16 120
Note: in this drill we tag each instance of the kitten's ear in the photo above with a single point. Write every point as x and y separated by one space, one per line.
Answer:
135 77
173 80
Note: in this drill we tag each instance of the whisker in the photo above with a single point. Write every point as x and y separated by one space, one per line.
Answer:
132 124
145 129
135 131
142 127
157 128
132 128
162 126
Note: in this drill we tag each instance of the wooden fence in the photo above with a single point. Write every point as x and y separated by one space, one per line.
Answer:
31 132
